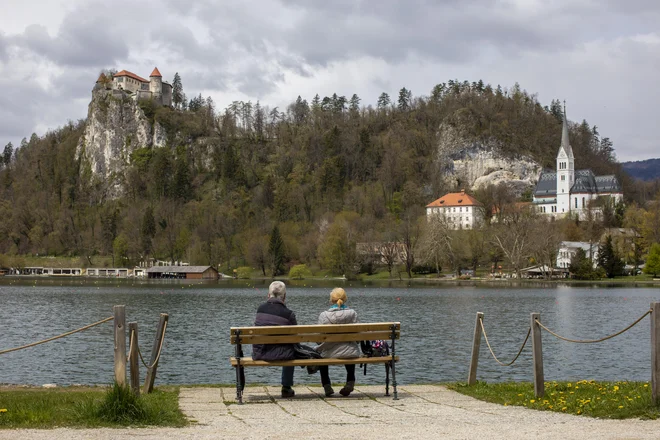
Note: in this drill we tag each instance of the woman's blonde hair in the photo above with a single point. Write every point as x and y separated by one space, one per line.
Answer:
338 295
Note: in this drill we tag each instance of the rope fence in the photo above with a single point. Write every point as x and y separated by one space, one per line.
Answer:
9 350
594 341
155 362
504 364
534 332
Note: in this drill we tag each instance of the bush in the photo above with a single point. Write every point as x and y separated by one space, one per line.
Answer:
423 269
120 405
299 272
244 272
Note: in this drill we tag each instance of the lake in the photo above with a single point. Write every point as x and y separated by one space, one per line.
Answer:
437 324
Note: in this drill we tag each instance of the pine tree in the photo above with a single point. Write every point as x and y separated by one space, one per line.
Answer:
177 91
276 252
354 103
609 260
405 97
384 101
7 153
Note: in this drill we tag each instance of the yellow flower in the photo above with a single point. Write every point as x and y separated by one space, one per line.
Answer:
532 401
620 406
579 412
616 388
563 409
646 385
3 410
519 395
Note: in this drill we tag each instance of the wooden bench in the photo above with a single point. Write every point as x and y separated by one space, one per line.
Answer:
291 334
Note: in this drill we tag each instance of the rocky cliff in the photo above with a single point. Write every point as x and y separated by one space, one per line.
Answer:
476 164
116 126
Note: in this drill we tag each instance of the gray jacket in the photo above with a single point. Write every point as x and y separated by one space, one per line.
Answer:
342 350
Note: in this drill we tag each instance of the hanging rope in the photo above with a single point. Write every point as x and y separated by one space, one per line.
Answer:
160 350
9 350
483 329
593 341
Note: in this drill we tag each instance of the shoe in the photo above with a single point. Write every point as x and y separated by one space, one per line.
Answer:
348 389
287 392
328 390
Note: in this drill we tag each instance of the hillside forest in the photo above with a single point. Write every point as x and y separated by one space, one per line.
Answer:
329 183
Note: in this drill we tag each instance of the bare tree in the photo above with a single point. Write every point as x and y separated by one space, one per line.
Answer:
514 235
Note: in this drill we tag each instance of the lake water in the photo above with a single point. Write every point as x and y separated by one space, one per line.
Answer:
436 326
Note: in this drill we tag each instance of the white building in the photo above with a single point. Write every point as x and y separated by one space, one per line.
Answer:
566 190
567 250
461 210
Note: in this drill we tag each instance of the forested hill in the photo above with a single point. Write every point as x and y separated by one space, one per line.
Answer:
223 179
643 169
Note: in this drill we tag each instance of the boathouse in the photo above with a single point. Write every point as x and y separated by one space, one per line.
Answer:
183 272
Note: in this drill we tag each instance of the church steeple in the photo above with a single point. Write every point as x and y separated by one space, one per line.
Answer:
565 144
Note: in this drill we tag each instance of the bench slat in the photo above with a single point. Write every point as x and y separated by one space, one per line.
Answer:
249 362
328 328
313 337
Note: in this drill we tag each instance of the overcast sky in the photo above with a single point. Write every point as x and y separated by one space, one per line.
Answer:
601 56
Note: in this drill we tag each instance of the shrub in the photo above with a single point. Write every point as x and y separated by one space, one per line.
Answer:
243 272
120 405
299 272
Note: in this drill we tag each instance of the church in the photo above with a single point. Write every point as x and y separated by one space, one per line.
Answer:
567 191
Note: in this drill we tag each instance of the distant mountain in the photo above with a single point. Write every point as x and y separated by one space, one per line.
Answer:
648 169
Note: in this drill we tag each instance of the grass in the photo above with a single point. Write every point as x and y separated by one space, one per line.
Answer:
610 400
87 407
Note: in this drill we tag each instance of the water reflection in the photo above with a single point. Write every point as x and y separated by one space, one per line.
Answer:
437 325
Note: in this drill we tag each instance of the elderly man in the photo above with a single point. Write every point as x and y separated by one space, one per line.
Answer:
275 312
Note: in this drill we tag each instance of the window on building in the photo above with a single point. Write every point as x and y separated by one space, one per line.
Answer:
582 202
576 203
563 178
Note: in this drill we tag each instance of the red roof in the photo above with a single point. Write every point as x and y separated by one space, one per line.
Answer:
102 78
455 199
130 75
155 73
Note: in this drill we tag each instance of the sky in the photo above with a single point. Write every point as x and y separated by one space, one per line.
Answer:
601 56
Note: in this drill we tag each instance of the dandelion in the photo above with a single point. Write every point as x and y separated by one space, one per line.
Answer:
579 412
616 388
3 410
519 395
646 385
563 409
620 406
532 401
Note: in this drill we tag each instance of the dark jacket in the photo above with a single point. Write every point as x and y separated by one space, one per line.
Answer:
274 312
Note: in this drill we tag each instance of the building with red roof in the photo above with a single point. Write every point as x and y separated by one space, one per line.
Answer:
140 88
460 210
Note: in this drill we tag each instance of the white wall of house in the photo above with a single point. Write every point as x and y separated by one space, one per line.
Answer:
458 217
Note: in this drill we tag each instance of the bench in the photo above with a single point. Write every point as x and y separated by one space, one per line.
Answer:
291 334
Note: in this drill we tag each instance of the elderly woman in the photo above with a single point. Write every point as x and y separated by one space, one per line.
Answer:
338 313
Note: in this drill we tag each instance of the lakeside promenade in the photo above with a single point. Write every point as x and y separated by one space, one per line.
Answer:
423 411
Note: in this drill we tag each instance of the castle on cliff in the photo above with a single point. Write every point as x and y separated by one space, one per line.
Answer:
137 87
570 191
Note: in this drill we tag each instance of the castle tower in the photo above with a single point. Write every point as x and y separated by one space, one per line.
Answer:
156 84
565 170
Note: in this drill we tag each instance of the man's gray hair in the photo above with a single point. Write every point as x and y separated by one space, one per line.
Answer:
277 289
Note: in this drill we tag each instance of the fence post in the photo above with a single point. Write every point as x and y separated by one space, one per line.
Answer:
537 355
151 372
120 344
655 352
133 355
476 344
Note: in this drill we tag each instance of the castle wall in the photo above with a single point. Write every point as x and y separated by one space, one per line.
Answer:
167 94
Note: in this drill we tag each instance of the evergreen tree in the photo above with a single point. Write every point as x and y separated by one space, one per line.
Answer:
7 153
609 260
276 252
147 231
384 101
182 178
405 99
653 260
581 267
178 97
354 103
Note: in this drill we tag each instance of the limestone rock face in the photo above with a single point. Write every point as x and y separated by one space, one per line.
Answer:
116 126
473 164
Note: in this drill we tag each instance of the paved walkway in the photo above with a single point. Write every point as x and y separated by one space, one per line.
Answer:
423 411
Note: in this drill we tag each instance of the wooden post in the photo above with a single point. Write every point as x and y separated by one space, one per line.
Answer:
133 357
655 352
537 355
151 372
120 344
476 344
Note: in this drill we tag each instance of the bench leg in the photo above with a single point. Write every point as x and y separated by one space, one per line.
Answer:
240 375
396 396
387 379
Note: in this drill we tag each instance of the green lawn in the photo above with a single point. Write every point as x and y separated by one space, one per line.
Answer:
611 400
80 407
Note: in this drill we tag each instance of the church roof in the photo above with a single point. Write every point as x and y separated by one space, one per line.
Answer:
547 185
565 144
155 73
130 75
608 183
455 199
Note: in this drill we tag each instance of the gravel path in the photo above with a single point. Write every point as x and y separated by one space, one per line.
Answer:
423 411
